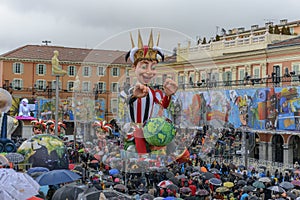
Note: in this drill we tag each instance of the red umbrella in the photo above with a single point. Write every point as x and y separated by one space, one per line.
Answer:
164 184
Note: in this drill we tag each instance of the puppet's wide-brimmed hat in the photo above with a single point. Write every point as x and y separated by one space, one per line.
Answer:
5 100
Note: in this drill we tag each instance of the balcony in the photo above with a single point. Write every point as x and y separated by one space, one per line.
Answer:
219 48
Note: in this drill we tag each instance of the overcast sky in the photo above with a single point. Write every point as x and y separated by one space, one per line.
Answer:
105 24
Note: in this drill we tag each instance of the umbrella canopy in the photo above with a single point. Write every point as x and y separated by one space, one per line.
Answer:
181 176
147 196
68 191
265 179
215 181
258 184
113 171
242 182
109 194
248 188
170 175
172 187
228 184
292 195
37 169
276 188
164 184
222 189
16 185
214 170
208 175
15 157
202 192
185 190
57 176
195 174
120 187
237 174
286 185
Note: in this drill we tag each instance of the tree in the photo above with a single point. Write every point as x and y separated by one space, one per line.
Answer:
283 30
217 37
204 40
276 30
288 31
271 30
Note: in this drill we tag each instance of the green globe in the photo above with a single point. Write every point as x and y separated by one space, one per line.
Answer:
159 131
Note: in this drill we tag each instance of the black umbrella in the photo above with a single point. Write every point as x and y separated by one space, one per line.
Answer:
286 185
120 187
185 190
237 174
147 196
170 175
292 195
242 182
172 187
202 192
57 176
208 175
175 181
215 181
248 188
68 192
214 170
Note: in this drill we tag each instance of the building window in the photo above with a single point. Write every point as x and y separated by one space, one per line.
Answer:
86 71
100 71
53 85
114 105
115 87
71 70
296 69
18 68
101 87
203 76
86 86
227 78
17 84
40 69
40 84
256 72
70 86
115 71
127 72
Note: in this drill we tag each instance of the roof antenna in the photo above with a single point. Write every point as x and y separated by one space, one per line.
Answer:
46 42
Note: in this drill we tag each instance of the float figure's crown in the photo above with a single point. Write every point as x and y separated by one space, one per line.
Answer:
144 52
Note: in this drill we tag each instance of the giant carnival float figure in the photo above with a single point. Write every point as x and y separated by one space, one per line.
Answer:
8 124
147 133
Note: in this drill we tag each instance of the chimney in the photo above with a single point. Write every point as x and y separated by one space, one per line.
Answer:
254 27
283 21
269 24
241 29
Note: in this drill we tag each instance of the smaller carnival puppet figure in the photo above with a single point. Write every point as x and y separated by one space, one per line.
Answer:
39 127
24 110
102 129
61 127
